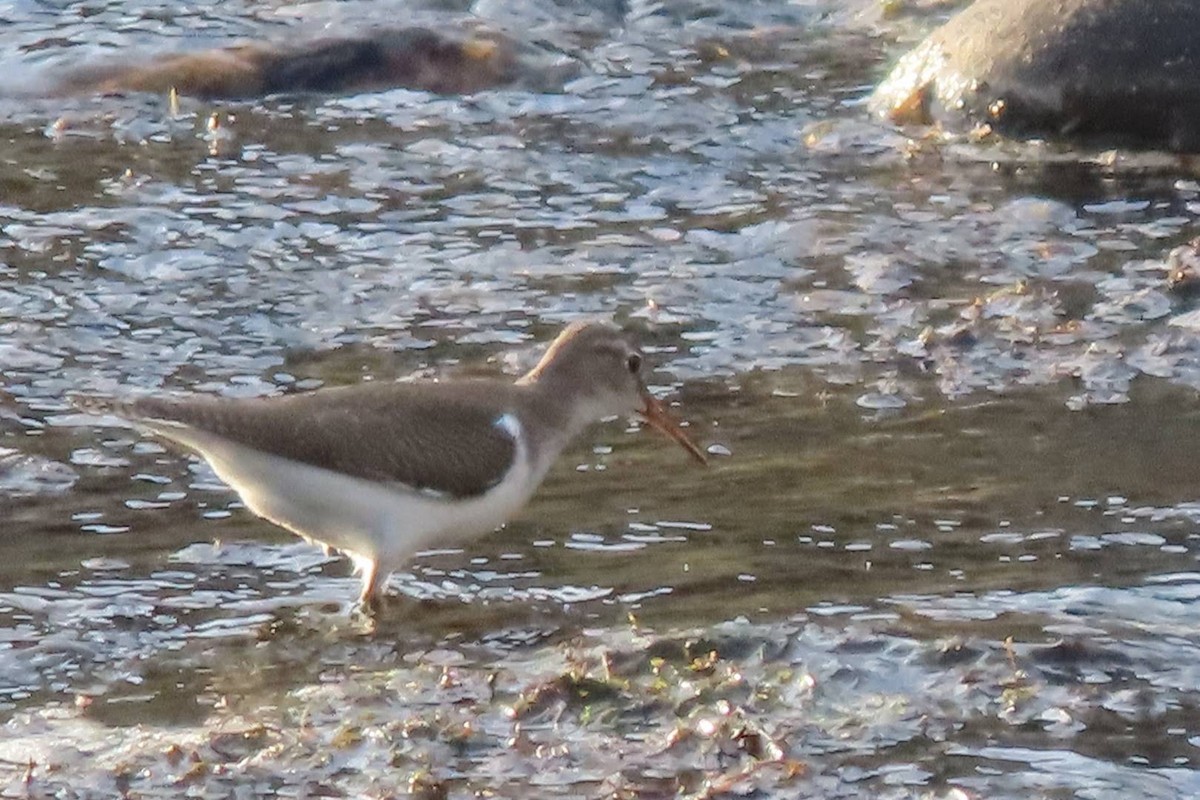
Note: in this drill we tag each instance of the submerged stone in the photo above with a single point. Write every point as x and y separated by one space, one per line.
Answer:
1123 72
411 58
27 475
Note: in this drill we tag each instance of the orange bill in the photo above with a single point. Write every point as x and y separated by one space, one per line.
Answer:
656 416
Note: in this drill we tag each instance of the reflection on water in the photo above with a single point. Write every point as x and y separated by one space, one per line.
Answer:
947 388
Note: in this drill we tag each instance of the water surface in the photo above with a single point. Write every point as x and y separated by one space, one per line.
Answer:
947 543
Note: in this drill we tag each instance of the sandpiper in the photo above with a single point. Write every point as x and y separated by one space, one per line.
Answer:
381 471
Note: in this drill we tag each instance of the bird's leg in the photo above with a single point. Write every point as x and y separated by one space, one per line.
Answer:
369 599
372 598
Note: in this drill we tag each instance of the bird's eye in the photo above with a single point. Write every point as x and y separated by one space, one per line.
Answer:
634 362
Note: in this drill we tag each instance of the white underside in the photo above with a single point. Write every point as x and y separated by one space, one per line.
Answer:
373 522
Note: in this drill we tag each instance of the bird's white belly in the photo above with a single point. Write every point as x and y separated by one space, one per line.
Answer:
385 523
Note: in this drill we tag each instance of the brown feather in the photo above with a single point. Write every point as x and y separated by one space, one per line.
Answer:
404 433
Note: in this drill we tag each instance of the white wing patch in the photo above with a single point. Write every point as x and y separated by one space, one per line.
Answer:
509 423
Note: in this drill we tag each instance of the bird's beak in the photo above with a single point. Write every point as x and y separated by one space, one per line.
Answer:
657 417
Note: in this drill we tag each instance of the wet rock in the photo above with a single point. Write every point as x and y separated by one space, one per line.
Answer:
954 653
1110 71
27 475
412 58
1067 659
1183 270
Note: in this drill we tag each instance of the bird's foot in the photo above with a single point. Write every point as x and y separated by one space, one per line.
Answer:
371 606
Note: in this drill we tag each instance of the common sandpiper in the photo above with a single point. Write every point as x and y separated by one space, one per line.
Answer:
382 471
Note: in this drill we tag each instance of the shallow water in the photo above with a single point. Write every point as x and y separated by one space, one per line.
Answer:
946 546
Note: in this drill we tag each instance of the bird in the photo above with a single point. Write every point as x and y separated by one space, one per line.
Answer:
380 471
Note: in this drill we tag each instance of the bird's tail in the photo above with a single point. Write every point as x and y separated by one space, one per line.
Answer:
105 406
148 412
92 404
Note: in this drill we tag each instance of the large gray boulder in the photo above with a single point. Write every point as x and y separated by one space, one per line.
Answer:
1121 72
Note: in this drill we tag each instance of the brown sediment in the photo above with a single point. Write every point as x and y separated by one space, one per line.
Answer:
412 58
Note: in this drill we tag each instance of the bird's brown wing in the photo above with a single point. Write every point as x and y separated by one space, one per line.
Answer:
424 436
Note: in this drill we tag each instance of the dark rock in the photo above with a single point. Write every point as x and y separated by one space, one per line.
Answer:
1121 72
412 58
1077 655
